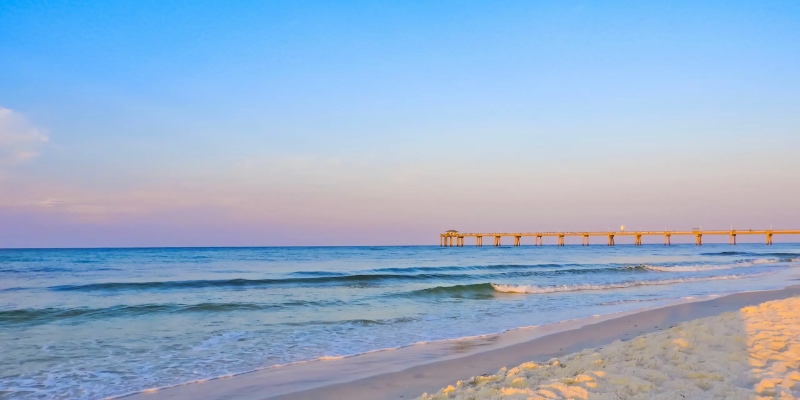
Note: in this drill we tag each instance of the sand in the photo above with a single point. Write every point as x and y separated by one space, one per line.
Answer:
409 372
750 353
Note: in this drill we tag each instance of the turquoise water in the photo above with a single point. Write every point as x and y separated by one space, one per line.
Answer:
91 323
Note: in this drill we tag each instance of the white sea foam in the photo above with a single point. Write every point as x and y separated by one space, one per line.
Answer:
764 261
628 301
533 289
219 339
701 268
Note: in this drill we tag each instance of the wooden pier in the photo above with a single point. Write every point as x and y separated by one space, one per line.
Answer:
454 238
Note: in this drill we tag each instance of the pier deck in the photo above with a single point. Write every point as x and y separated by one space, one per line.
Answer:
455 238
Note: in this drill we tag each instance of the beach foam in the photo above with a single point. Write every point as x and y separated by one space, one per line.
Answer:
532 289
706 267
752 353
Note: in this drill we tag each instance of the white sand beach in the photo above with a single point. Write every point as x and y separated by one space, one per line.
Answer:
750 353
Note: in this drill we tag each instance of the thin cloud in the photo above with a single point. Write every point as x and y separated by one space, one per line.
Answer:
19 139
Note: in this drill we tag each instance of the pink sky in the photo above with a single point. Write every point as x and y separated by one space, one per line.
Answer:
284 123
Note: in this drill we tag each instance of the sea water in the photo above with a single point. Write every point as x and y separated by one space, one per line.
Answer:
94 323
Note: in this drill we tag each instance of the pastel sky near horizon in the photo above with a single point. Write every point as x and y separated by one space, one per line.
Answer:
212 123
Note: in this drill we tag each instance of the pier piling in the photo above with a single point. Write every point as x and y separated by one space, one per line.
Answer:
454 238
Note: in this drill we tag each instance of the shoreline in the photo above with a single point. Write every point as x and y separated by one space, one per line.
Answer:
409 371
437 350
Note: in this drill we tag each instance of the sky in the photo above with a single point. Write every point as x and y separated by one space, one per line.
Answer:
249 123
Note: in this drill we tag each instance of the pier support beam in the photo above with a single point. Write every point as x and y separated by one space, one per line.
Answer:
453 238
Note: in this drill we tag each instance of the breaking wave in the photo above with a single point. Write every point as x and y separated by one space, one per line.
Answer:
533 289
701 268
471 291
241 282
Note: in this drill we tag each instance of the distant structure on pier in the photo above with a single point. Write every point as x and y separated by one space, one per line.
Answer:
454 238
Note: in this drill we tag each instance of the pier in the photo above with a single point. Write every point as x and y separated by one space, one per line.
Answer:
454 238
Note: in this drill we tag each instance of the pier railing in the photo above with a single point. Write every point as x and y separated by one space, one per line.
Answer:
455 238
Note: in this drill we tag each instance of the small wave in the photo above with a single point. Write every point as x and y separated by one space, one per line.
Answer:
241 282
702 268
354 322
557 272
774 260
317 273
691 268
724 253
532 289
23 269
47 315
753 254
476 290
497 267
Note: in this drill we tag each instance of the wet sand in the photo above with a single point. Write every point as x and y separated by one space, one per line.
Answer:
409 372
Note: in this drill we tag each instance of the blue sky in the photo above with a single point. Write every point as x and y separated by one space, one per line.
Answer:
241 123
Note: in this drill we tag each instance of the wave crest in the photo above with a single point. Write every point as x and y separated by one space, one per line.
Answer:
533 289
702 268
47 315
240 282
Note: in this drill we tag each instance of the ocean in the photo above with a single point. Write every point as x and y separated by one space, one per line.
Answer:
95 323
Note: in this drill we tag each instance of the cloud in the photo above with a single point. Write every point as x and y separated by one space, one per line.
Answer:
19 140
